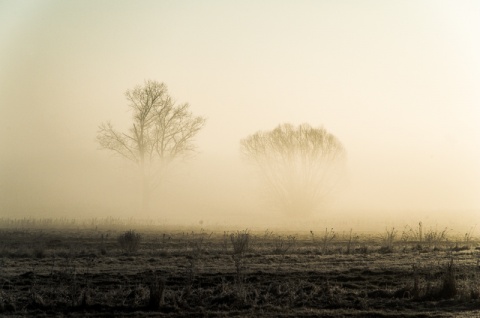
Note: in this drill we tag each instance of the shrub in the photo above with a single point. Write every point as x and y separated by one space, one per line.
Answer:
240 241
388 240
433 237
129 241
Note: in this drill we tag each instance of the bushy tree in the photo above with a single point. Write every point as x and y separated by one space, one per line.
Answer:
161 132
300 166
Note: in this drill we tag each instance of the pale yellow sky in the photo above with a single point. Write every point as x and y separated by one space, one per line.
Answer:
396 81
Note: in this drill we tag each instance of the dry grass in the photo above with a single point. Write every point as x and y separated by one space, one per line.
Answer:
241 273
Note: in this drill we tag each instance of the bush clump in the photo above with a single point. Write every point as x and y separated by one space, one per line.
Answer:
129 241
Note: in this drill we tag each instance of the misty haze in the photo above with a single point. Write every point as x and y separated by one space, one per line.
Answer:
240 159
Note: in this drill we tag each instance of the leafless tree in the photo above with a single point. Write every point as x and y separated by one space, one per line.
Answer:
300 166
161 132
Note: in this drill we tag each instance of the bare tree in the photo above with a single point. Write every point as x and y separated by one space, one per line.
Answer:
161 132
300 166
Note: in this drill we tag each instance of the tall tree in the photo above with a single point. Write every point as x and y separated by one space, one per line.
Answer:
300 166
161 132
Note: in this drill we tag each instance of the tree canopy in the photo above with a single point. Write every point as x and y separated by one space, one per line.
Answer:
161 132
300 166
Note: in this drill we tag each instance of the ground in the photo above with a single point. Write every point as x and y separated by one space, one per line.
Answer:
84 270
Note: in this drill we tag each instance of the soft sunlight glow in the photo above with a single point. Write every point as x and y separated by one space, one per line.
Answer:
395 81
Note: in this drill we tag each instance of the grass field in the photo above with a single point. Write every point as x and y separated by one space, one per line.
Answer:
47 269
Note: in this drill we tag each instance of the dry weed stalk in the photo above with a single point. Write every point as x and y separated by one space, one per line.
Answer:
327 239
195 254
352 239
449 282
157 293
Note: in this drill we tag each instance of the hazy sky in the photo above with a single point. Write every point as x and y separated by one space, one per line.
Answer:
396 81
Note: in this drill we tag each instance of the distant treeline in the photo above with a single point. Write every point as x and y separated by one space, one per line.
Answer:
72 223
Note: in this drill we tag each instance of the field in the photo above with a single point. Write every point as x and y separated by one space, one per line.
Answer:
92 270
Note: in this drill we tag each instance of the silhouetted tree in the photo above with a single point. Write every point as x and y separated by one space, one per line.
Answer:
300 166
161 132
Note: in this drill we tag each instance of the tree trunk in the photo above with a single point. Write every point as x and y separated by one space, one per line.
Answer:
145 193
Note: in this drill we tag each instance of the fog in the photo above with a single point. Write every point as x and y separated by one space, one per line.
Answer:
396 82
